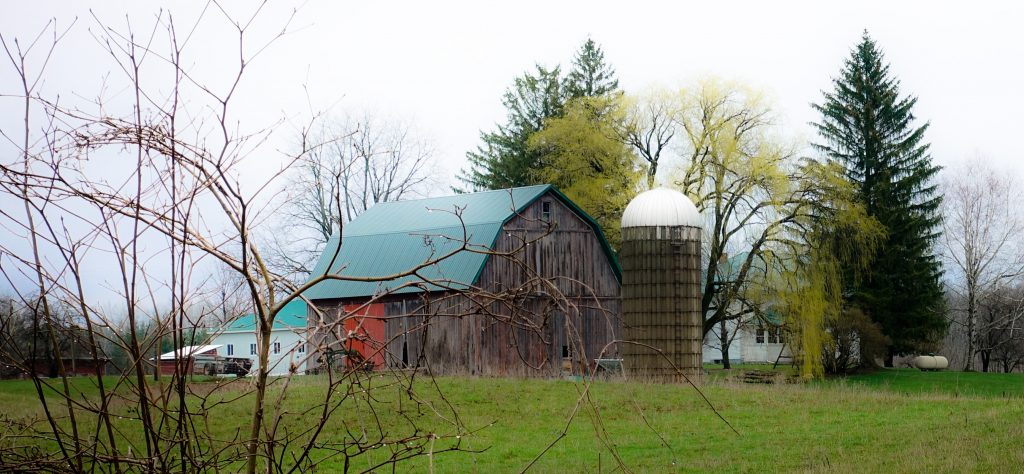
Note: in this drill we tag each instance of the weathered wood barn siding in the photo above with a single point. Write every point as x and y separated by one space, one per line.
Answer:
514 324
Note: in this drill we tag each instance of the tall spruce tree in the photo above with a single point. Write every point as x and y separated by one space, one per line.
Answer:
505 159
590 75
868 127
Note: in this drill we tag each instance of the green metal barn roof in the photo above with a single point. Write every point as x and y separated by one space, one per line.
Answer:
394 237
292 316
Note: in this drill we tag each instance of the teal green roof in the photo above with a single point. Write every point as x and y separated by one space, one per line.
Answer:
292 316
393 237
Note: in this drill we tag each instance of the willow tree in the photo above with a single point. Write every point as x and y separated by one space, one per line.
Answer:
765 213
738 173
827 246
582 154
650 127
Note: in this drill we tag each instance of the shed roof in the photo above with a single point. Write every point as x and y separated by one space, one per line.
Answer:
291 316
394 237
188 351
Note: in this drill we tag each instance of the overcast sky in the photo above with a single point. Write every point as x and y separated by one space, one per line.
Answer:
444 66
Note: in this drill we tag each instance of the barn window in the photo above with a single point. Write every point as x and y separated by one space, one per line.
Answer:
302 348
252 349
545 211
759 336
231 349
277 348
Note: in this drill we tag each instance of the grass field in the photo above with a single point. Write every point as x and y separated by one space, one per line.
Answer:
891 421
913 381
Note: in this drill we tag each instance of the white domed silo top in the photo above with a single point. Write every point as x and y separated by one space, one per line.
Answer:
661 207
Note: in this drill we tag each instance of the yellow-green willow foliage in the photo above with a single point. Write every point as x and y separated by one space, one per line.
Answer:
780 234
829 244
742 176
582 153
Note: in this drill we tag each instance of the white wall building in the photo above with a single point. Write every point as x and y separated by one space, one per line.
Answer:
750 340
287 344
753 343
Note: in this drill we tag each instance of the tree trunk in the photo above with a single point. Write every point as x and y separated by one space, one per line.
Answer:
969 366
724 339
986 357
889 356
263 355
865 359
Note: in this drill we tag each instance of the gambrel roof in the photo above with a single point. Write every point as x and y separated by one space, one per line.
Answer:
393 237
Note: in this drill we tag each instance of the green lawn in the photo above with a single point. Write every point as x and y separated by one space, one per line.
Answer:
913 381
884 422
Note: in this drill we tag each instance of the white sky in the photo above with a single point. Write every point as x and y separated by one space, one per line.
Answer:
444 66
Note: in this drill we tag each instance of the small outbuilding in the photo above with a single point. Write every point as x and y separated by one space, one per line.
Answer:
198 360
510 282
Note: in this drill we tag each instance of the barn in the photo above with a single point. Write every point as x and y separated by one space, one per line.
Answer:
508 282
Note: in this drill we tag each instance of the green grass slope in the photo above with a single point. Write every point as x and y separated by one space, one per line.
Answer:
869 423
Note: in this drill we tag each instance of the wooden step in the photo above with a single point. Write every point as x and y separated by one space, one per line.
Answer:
759 376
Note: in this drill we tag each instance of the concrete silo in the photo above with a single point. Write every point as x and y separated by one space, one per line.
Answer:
661 267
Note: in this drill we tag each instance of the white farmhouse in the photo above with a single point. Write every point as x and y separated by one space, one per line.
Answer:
287 343
749 338
752 342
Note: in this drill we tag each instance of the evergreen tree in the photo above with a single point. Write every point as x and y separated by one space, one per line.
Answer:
505 160
590 76
867 127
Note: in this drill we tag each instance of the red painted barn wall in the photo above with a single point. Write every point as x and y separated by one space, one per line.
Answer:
365 331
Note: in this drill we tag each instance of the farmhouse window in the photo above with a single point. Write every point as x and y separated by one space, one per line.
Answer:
277 348
773 336
759 336
252 349
302 348
231 349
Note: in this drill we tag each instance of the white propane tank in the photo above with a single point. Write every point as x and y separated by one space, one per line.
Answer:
931 362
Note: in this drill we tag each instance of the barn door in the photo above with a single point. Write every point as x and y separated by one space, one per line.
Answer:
364 335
